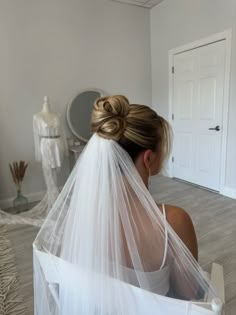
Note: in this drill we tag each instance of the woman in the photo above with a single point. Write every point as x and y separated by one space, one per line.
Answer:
146 137
109 242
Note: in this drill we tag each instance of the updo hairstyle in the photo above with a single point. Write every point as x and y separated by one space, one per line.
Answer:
135 127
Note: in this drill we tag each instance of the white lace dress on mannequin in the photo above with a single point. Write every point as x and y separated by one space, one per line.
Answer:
50 148
49 140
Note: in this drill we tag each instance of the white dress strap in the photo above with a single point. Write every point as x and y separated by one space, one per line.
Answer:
166 236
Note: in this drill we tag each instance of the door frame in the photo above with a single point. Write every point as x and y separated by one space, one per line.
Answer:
227 36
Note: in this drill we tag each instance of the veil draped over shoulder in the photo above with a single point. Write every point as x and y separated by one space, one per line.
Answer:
90 256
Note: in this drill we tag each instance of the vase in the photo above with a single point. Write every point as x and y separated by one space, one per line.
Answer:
20 203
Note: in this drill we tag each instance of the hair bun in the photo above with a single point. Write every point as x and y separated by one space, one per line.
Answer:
109 116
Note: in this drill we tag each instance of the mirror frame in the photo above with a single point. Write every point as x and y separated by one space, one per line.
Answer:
74 132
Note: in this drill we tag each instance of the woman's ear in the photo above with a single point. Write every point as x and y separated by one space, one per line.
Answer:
147 158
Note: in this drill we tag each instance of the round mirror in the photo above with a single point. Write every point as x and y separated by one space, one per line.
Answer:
79 113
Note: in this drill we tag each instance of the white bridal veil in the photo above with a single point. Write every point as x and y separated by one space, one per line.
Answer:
90 254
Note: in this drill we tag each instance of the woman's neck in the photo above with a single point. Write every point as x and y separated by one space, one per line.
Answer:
142 170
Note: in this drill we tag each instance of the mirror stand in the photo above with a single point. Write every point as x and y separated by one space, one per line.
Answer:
78 114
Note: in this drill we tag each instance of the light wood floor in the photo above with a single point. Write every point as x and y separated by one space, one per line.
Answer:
214 218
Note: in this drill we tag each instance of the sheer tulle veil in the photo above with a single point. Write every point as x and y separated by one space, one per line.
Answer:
96 229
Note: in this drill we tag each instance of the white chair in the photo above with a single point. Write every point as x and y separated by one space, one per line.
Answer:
144 302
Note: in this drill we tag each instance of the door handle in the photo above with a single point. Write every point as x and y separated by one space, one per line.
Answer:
217 128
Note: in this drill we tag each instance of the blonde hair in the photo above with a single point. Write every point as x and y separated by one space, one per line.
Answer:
135 127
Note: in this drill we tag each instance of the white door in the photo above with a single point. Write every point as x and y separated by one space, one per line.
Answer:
198 114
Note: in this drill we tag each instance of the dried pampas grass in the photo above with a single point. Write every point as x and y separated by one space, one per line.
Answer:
18 170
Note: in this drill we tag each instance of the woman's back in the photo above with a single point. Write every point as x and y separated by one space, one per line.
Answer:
156 269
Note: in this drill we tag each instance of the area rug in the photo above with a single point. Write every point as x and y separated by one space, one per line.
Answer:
11 300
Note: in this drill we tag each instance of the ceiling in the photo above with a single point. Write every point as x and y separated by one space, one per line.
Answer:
140 3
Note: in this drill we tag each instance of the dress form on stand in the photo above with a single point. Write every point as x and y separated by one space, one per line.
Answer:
50 146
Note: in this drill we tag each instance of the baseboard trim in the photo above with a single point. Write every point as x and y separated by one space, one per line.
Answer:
33 197
226 191
229 192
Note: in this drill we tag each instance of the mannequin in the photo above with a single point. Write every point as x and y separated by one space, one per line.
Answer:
49 137
50 146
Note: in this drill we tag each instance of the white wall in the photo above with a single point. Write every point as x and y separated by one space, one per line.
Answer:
175 23
56 48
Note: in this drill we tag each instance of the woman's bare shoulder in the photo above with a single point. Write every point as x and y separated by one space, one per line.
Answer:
182 224
174 214
177 216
